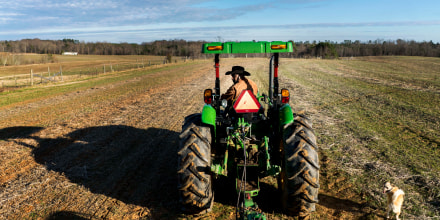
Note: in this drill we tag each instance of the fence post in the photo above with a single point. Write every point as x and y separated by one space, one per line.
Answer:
61 72
104 68
54 75
32 77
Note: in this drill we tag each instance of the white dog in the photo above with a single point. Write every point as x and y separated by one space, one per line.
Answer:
394 199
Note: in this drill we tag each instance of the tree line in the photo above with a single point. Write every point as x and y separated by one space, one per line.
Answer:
350 48
192 49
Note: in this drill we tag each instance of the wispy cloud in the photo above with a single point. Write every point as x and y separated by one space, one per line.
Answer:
99 28
85 13
365 24
146 20
237 32
49 5
6 17
171 11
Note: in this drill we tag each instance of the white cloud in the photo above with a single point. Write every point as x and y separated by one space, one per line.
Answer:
6 17
145 33
49 5
147 20
108 12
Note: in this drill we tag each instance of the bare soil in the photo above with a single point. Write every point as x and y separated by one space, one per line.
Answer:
115 159
109 152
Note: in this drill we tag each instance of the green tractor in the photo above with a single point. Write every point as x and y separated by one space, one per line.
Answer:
248 143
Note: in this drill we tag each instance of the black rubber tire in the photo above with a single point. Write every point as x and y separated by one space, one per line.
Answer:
193 166
299 178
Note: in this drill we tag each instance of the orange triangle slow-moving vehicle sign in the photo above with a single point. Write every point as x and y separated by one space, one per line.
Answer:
246 103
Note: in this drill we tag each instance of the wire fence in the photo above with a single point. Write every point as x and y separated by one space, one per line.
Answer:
72 72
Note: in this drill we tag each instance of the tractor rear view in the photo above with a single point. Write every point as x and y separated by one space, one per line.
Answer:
252 138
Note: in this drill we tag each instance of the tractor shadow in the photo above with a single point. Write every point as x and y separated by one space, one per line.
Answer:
136 166
340 205
66 215
268 199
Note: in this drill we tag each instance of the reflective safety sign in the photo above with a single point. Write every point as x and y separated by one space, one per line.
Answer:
246 103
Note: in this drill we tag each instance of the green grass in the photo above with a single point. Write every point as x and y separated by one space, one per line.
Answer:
376 118
30 93
18 75
388 113
75 64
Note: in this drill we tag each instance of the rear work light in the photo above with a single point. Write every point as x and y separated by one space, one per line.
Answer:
278 47
215 48
207 96
285 96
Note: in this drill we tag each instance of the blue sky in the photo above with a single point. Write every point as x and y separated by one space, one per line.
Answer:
227 20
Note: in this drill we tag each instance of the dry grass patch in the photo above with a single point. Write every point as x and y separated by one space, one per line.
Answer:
379 119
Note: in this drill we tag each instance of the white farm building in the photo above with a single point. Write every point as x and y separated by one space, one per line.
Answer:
70 53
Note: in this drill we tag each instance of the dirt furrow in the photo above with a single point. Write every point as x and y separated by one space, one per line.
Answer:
119 159
109 153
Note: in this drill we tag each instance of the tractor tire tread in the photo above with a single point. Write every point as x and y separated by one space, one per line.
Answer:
193 171
301 168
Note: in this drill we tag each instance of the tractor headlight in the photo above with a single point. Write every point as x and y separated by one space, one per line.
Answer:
224 103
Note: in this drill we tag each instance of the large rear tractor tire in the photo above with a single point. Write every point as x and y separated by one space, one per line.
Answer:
299 178
193 166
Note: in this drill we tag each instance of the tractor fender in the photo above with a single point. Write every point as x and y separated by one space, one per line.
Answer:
286 114
208 115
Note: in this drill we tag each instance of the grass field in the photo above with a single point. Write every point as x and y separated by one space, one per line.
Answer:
105 147
76 62
72 67
379 118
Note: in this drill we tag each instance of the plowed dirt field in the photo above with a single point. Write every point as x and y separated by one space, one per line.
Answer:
106 147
